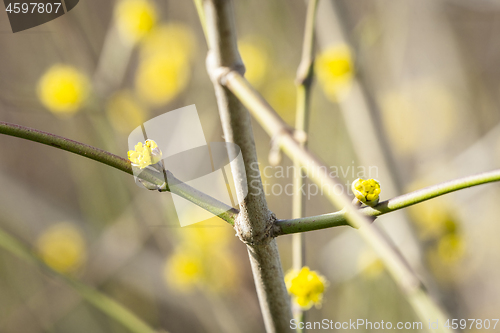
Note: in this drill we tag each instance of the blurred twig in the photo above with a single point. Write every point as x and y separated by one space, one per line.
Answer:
99 300
201 15
304 80
365 129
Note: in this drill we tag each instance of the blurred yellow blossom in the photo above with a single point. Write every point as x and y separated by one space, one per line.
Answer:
144 155
124 112
420 115
174 39
335 71
63 89
366 191
62 247
254 56
135 18
203 259
433 218
211 233
306 287
370 264
159 79
451 248
164 68
184 270
446 257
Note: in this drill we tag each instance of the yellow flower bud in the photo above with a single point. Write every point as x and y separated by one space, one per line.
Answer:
366 191
144 155
306 287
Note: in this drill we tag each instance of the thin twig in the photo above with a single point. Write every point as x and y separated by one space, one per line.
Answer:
100 301
404 276
304 82
255 220
203 200
339 219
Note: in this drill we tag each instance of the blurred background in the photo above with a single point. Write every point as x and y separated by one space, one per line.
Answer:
408 87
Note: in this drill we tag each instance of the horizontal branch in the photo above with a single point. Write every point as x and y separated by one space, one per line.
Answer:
218 208
284 227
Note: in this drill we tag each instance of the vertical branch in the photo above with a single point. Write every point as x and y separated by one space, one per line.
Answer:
360 115
304 82
404 276
254 222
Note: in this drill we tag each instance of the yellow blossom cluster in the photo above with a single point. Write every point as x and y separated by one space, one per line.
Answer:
306 287
144 155
164 68
438 226
366 191
202 259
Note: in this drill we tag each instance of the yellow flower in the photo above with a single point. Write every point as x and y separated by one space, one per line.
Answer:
306 287
124 112
445 259
145 155
135 18
62 247
366 191
175 40
434 218
63 89
209 269
255 58
160 79
184 270
335 70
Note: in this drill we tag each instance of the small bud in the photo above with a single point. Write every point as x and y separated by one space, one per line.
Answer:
366 191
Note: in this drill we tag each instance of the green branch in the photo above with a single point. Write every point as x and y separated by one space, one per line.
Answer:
220 209
284 227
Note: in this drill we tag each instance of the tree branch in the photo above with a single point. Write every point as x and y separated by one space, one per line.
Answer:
339 219
255 221
203 200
